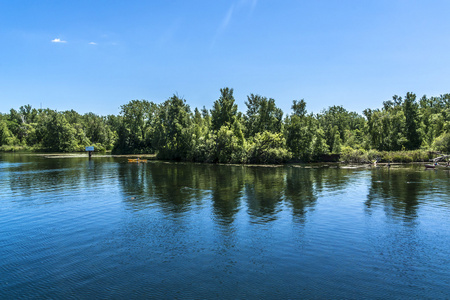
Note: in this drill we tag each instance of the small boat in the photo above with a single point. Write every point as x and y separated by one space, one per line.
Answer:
430 166
136 160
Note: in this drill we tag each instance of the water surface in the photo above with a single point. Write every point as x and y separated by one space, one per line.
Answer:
104 228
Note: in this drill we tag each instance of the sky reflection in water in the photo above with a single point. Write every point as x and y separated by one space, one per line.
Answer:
104 228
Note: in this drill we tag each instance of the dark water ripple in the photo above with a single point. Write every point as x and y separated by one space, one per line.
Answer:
79 229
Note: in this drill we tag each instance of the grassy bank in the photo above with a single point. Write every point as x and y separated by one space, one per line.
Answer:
16 148
351 155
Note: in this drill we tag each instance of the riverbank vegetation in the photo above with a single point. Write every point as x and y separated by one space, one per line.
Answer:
402 130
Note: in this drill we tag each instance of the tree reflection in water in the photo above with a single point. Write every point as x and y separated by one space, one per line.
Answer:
260 191
300 190
396 191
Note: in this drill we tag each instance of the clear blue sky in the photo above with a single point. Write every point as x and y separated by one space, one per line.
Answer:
98 55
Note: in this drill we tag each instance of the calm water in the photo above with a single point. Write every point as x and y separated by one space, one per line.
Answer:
74 228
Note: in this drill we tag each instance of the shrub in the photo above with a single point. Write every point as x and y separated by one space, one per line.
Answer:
442 143
350 155
268 147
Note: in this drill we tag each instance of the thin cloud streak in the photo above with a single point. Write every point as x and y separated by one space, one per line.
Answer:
251 3
227 19
223 25
237 6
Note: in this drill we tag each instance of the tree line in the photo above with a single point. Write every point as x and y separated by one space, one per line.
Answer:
223 134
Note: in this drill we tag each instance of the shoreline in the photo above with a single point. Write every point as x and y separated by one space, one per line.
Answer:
309 165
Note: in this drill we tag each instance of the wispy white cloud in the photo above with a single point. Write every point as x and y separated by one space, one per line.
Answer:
223 25
251 3
92 43
57 40
226 19
235 8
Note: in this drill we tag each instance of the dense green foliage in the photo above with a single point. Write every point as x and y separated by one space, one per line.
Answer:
404 129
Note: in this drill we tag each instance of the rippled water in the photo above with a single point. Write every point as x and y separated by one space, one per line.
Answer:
74 228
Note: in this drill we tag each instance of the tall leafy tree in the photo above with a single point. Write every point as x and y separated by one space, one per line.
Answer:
433 116
16 125
98 131
6 137
173 132
386 127
58 135
79 125
299 108
28 114
334 116
134 134
299 131
262 115
224 110
411 111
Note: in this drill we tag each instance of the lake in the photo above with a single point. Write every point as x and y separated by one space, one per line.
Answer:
76 228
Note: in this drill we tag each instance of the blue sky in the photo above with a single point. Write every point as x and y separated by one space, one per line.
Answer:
98 55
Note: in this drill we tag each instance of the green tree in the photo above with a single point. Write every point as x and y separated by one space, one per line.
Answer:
434 117
16 124
98 131
319 145
338 117
386 127
336 141
73 117
299 131
262 115
173 133
135 132
77 122
299 108
269 147
411 111
227 147
28 114
58 134
224 110
442 143
6 137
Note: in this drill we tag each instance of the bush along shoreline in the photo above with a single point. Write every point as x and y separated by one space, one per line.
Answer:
361 156
403 130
